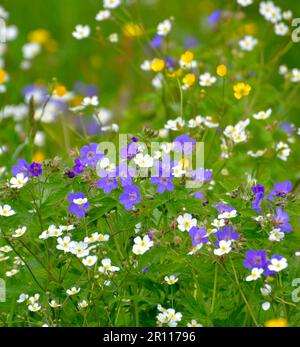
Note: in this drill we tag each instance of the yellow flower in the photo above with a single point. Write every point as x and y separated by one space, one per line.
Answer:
132 30
184 163
221 70
40 36
175 74
187 57
60 90
250 29
157 64
241 90
189 79
276 323
38 157
3 76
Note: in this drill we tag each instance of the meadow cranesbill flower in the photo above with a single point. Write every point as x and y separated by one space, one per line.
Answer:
255 259
172 279
186 222
89 155
281 220
259 192
198 235
184 143
157 41
22 167
78 167
79 204
130 197
107 184
163 182
35 169
214 17
280 190
226 233
6 211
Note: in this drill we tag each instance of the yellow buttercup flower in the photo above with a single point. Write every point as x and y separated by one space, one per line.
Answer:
157 64
241 90
276 323
3 76
221 70
132 30
175 74
60 90
250 29
38 157
187 57
189 79
40 36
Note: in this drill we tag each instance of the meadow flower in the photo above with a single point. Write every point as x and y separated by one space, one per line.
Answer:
295 75
188 80
63 244
248 43
73 291
277 263
34 307
218 223
255 259
31 50
281 220
23 297
6 211
157 65
80 249
142 245
276 323
107 267
111 3
22 167
12 272
257 154
172 279
107 184
143 161
164 27
280 190
245 3
281 29
283 151
259 192
266 290
114 37
255 274
241 90
54 304
102 15
276 235
20 231
198 235
83 304
194 324
186 222
206 80
81 32
53 231
19 181
221 70
228 214
162 183
130 197
89 155
226 233
90 260
263 114
169 317
184 143
224 248
175 124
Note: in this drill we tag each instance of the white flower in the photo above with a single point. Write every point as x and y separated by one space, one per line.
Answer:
34 307
142 245
146 65
281 29
206 80
90 101
186 222
263 114
276 235
194 324
157 81
95 237
19 232
31 50
12 272
245 3
287 15
114 37
224 248
80 249
171 279
169 317
248 43
257 154
6 211
255 274
228 215
83 304
278 265
102 15
73 291
283 69
218 223
177 171
53 231
283 151
295 75
266 306
54 304
81 32
63 244
175 124
19 181
34 298
270 11
266 290
164 27
111 3
90 260
23 297
106 267
144 161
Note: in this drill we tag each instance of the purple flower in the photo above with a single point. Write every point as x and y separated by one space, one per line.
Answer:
157 41
226 233
198 235
184 143
287 127
281 221
170 62
259 192
22 167
202 175
255 259
107 184
129 151
78 204
130 197
199 195
90 155
78 167
35 169
86 89
164 180
214 17
221 208
280 189
125 174
190 42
